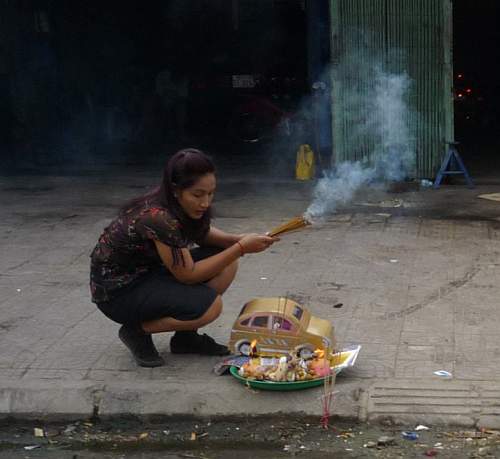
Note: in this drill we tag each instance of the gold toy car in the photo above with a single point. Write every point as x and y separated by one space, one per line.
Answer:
274 326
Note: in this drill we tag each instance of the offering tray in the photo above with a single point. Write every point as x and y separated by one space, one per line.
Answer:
343 359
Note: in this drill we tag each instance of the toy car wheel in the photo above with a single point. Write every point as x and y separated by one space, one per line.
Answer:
305 352
244 348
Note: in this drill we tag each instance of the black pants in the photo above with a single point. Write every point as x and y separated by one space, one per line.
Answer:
159 294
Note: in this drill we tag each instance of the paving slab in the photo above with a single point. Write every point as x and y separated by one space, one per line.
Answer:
419 287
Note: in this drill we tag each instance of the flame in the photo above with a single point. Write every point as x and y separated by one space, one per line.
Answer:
320 353
253 347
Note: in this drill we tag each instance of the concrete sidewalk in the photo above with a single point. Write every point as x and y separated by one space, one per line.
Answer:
417 273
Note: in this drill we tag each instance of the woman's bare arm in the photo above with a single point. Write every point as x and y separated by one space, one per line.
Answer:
190 272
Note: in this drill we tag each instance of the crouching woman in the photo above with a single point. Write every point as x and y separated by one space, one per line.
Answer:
145 274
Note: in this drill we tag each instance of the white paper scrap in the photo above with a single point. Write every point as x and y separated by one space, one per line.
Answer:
443 373
30 447
421 427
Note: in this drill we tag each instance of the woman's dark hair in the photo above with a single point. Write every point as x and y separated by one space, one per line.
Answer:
182 171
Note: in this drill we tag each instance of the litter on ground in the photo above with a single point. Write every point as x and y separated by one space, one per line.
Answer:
490 196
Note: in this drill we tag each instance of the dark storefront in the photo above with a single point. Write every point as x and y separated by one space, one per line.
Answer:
118 81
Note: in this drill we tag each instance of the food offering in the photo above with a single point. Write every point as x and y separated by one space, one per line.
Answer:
286 368
277 344
293 373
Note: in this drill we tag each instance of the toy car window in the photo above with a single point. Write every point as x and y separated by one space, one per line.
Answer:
280 323
245 322
260 321
297 312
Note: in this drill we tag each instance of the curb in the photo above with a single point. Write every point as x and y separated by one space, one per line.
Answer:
216 397
435 402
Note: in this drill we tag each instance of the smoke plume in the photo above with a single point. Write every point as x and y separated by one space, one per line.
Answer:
375 106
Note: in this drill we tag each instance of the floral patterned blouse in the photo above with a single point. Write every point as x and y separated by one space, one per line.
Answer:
126 250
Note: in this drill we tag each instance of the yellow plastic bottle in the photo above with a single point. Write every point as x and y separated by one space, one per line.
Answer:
304 167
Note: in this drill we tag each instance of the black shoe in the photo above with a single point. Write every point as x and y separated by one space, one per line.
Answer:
190 342
141 346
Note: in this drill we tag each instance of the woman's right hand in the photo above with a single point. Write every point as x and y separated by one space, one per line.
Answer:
254 243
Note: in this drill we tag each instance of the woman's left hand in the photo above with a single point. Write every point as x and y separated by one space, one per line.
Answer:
274 238
255 243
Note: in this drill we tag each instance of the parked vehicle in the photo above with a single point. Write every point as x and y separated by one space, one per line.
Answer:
246 108
257 118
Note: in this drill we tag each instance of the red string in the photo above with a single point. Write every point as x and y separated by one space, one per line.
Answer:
325 419
326 411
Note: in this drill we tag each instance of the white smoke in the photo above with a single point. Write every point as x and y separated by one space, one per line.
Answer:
337 187
384 127
394 150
